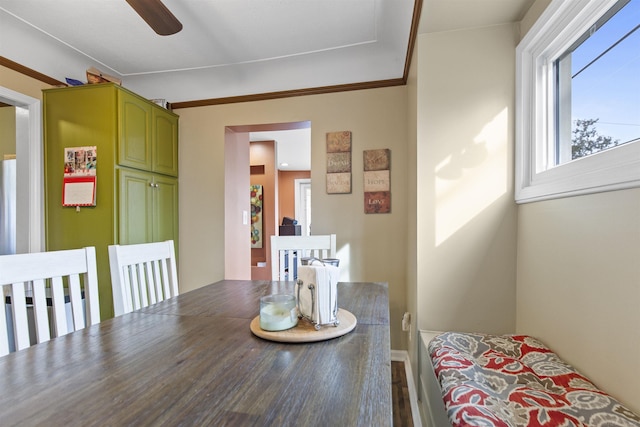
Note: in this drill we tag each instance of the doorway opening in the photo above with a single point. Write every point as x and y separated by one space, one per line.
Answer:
243 259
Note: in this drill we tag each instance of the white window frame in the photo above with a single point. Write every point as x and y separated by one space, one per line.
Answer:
537 176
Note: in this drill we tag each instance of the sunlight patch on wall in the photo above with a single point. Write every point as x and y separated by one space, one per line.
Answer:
343 255
470 180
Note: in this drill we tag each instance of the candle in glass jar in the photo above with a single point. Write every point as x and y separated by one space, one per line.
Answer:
278 312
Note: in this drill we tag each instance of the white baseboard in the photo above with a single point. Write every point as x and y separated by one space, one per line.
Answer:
403 356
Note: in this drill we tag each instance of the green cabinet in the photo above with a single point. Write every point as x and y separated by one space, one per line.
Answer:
136 172
148 203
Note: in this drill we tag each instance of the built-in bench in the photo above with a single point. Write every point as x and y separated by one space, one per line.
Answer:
508 380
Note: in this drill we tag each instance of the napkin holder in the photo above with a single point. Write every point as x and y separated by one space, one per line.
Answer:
317 293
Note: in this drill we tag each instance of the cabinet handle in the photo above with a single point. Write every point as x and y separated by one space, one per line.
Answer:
153 185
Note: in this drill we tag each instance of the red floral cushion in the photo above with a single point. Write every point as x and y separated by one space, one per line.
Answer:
515 380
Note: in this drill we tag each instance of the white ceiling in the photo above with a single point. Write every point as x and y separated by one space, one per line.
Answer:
230 47
293 147
226 48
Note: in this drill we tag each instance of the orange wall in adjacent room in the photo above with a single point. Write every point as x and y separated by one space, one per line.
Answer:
286 192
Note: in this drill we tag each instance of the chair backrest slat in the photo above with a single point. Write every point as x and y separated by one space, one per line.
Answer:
4 331
76 302
159 271
20 322
287 253
140 283
142 274
40 314
57 307
155 286
35 285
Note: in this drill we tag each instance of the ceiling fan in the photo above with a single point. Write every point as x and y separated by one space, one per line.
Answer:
156 14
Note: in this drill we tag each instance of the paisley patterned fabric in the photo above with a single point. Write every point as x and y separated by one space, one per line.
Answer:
515 380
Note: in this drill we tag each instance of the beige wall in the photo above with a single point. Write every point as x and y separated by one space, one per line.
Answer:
7 131
20 83
412 214
532 15
579 285
466 216
371 247
236 175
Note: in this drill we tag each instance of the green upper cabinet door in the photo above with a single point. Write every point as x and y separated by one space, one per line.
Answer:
148 136
165 142
134 144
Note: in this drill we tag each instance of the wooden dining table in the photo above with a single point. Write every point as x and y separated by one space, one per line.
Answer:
192 360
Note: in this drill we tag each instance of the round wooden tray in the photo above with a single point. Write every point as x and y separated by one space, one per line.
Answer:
304 331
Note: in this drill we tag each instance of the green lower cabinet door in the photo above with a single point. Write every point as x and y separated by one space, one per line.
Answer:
148 207
165 201
136 206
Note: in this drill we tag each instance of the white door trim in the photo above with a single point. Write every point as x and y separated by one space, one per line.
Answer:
30 171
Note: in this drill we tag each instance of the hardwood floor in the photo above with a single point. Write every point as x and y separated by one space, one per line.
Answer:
400 394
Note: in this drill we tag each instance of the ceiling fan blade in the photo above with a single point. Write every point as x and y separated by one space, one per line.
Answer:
156 14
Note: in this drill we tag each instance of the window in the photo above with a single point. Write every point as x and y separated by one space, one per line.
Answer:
597 86
578 100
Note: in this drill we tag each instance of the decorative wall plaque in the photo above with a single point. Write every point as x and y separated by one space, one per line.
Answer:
377 160
377 181
338 183
339 142
377 201
339 162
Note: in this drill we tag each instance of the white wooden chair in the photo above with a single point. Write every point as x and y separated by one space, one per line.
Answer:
287 253
142 274
33 282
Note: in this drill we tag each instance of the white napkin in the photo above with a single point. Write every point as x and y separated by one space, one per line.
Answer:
325 293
